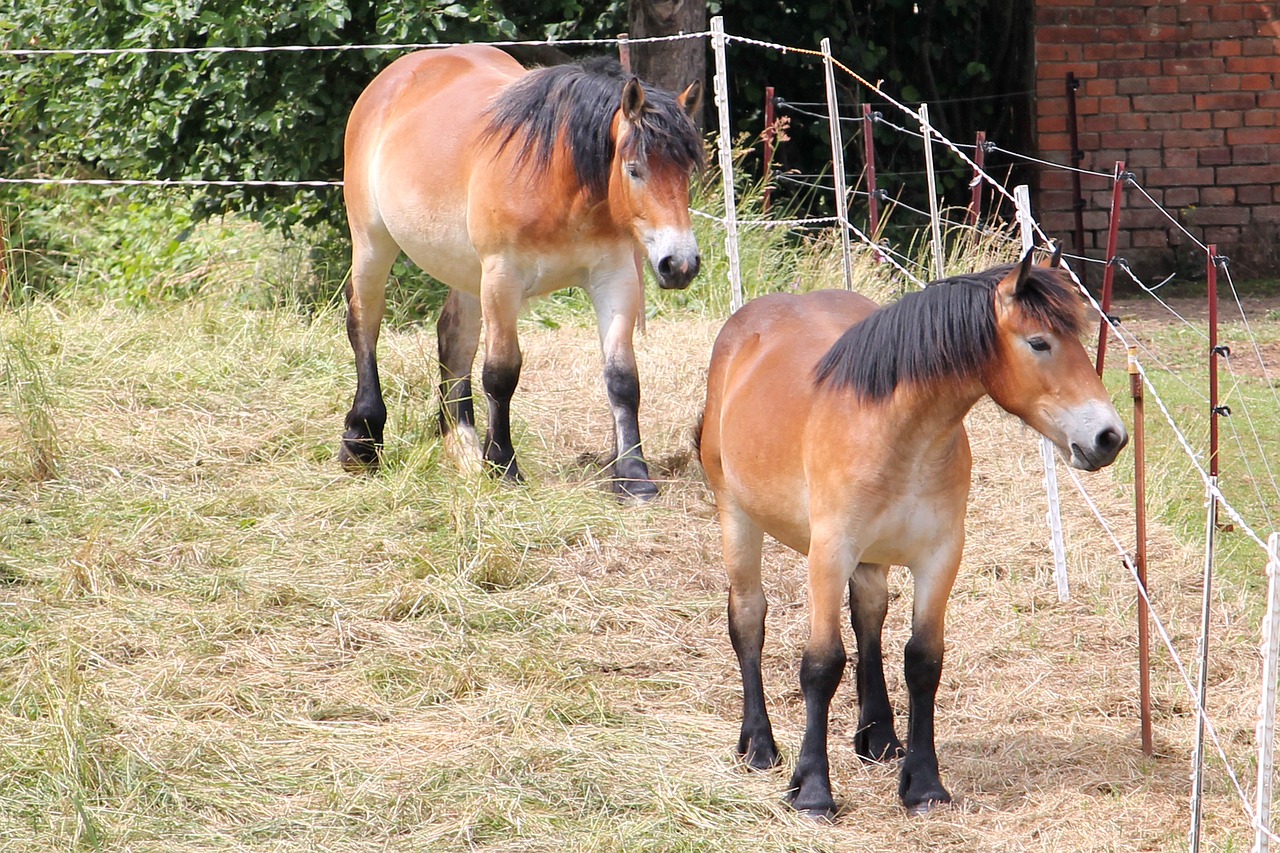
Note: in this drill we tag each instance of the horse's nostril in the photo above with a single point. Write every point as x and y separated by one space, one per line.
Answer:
695 266
1109 440
664 267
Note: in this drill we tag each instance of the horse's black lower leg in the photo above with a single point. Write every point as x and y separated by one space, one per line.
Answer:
362 436
457 338
500 382
756 745
630 473
920 785
820 674
868 603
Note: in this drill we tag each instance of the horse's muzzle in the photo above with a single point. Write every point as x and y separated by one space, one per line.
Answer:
1105 448
676 273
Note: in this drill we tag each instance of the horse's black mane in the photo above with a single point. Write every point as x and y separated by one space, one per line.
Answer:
581 99
945 331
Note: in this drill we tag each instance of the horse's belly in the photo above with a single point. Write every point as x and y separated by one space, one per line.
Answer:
908 532
441 246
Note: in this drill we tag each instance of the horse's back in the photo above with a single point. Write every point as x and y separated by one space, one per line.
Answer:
760 390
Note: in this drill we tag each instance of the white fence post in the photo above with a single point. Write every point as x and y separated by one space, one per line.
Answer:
1267 703
1202 691
1022 198
837 163
935 218
725 135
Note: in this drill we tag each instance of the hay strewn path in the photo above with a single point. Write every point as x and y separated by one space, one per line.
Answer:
212 639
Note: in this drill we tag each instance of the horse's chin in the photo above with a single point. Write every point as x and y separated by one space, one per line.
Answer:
1078 459
675 282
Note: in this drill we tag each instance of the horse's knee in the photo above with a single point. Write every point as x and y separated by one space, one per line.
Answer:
922 664
500 379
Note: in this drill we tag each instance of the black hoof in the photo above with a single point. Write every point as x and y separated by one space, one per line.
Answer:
820 808
638 490
924 797
359 454
928 805
875 747
759 753
507 471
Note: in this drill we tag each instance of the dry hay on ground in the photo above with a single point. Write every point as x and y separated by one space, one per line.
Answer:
249 650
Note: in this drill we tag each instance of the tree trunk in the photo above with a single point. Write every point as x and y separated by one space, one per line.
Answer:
670 65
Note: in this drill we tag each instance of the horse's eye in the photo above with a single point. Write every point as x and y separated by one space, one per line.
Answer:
1038 344
633 171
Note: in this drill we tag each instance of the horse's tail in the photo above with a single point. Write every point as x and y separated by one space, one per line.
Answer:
696 436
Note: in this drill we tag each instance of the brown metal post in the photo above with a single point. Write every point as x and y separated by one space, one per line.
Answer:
1109 271
767 138
1077 157
624 52
1140 551
5 296
869 150
979 164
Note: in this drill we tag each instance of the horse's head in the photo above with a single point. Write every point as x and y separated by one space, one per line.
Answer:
1041 372
657 148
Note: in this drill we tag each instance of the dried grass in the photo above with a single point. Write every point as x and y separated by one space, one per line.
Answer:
210 638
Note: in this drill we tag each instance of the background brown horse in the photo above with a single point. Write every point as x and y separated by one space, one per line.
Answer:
507 184
838 428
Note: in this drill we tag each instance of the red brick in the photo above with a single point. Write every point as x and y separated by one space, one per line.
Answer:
1053 142
1193 82
1156 32
1150 240
1264 174
1051 107
1181 176
1100 87
1258 47
1223 236
1126 120
1163 103
1114 104
1180 157
1214 156
1227 48
1256 82
1053 124
1253 64
1195 121
1099 51
1128 68
1195 49
1133 86
1058 71
1095 219
1221 30
1254 195
1257 11
1178 67
1254 136
1188 13
1227 119
1260 118
1269 100
1099 123
1245 154
1058 52
1054 179
1227 12
1132 139
1224 83
1128 15
1218 195
1067 35
1181 196
1163 50
1222 215
1131 50
1141 157
1227 101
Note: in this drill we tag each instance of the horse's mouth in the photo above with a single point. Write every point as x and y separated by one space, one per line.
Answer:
1083 461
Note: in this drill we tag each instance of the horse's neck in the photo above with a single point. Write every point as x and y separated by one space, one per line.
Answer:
927 421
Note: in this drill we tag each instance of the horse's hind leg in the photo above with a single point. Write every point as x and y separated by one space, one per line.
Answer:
617 303
500 300
371 259
868 604
742 540
457 338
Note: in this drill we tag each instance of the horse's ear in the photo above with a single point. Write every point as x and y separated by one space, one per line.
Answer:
1024 273
1056 260
691 99
632 100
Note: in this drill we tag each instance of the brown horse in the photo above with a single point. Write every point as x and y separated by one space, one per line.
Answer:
838 428
508 184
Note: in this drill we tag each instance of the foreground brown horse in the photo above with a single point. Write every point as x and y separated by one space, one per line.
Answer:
507 184
838 428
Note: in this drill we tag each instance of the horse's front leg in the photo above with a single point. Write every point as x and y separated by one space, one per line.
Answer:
868 604
457 339
371 259
830 567
501 295
920 785
617 301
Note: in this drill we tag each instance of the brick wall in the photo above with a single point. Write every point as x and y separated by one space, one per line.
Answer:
1187 93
